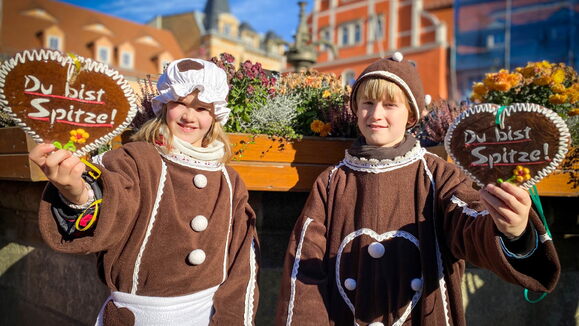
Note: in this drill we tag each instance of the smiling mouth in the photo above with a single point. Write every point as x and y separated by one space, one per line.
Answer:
377 126
187 128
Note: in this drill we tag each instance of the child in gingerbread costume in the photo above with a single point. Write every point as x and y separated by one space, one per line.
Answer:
384 235
175 232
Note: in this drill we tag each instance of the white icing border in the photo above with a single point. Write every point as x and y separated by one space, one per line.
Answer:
561 126
152 218
380 166
378 237
88 65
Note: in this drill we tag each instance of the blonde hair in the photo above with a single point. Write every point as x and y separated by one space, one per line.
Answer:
156 130
378 89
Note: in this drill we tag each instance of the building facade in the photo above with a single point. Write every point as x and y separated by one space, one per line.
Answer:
492 35
216 30
364 31
135 50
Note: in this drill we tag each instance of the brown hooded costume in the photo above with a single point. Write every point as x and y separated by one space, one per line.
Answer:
385 234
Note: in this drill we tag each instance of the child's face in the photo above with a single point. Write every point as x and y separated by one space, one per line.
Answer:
190 119
382 122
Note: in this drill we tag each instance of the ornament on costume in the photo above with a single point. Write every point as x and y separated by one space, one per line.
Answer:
199 223
376 250
58 97
488 141
416 284
350 284
397 56
196 257
200 181
427 99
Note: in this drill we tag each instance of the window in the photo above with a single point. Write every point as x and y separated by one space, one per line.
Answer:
345 34
379 28
326 36
126 60
350 34
357 33
227 29
104 54
54 42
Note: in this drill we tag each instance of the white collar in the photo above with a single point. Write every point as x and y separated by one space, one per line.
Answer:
378 166
203 158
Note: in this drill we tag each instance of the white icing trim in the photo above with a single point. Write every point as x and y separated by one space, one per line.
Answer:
226 175
441 281
332 175
295 268
395 78
378 237
564 135
160 189
465 209
189 162
380 166
87 65
250 291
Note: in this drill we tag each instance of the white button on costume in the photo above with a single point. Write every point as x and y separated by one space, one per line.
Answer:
200 181
350 284
199 223
376 250
416 284
196 257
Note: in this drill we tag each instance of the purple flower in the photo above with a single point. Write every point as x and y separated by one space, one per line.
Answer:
250 90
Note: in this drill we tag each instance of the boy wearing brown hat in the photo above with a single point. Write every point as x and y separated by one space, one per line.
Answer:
385 234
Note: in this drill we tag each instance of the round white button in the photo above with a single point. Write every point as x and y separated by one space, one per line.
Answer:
376 250
200 181
350 284
416 284
199 223
196 257
377 323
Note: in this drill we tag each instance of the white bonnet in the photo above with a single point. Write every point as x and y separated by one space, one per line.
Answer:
183 76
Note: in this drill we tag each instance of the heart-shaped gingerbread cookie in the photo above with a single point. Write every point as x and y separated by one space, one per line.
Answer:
524 144
75 102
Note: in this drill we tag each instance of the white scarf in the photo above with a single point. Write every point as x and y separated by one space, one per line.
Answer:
213 152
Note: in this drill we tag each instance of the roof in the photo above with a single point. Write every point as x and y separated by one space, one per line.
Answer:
23 22
212 10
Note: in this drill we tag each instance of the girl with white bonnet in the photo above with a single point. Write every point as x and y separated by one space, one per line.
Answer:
175 234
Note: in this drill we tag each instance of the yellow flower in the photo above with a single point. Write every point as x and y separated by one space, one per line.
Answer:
326 128
558 76
479 89
79 136
543 80
573 112
543 64
317 126
326 94
558 88
502 81
521 174
558 98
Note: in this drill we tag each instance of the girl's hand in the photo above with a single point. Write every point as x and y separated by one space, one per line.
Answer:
63 169
509 207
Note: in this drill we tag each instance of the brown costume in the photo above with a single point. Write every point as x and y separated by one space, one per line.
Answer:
384 235
145 233
385 241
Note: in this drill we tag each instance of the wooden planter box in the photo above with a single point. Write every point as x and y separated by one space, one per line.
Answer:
268 164
265 164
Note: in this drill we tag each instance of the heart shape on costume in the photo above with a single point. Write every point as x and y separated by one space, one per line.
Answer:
529 144
77 102
379 238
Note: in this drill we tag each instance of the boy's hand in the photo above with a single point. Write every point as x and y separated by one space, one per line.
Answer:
63 169
509 207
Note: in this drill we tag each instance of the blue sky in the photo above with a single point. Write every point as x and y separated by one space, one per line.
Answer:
281 16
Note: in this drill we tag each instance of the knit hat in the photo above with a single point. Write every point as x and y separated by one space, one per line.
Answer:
183 76
400 72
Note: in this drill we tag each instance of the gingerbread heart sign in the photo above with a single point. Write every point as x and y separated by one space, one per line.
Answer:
77 103
524 144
